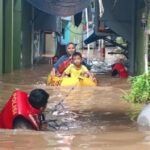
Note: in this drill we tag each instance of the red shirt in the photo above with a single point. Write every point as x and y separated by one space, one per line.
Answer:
121 70
18 105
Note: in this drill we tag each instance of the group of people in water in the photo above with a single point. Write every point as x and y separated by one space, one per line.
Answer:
71 64
25 111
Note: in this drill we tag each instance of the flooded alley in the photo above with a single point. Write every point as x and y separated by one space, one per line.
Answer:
93 45
102 121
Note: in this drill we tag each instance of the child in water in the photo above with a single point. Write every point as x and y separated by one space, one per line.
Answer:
76 69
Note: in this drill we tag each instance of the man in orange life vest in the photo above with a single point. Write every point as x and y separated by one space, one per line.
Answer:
23 111
119 69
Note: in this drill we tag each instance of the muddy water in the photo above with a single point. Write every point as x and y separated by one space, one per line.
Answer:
102 123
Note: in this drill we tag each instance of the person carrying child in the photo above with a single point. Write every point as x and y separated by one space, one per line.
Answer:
76 69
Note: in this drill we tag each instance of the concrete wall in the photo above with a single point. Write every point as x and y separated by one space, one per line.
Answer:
141 40
8 35
15 35
139 51
26 48
1 37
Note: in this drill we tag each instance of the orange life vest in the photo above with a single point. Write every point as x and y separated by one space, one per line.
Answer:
18 105
121 70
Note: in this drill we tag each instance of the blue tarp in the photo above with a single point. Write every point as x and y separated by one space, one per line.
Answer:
92 38
60 7
46 22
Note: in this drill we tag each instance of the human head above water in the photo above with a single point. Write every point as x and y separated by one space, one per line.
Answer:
120 60
70 48
38 98
77 58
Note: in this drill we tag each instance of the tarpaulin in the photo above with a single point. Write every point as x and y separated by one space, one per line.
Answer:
46 22
60 7
93 37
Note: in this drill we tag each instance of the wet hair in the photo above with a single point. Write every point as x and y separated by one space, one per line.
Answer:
77 54
38 98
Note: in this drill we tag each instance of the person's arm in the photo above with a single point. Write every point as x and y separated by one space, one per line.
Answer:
60 61
57 64
53 72
22 123
88 74
67 71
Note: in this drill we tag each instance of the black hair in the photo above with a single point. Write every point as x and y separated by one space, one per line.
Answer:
70 43
77 54
38 98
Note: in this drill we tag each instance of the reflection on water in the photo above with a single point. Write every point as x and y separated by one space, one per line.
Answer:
101 123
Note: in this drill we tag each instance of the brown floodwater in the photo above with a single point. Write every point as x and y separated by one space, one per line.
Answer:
102 121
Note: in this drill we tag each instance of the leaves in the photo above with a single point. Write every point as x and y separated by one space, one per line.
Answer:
140 89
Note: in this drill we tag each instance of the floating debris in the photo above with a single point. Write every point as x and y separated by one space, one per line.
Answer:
100 67
59 118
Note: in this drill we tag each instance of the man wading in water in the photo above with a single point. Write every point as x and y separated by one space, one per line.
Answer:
23 111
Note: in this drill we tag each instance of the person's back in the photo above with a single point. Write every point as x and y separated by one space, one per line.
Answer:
12 109
119 68
22 111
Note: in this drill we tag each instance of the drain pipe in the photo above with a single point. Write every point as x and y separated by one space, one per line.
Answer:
32 36
146 52
145 16
12 35
87 31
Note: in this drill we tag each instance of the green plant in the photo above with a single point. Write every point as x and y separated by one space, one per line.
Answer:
140 89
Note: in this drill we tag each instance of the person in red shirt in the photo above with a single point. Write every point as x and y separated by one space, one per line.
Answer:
119 69
23 111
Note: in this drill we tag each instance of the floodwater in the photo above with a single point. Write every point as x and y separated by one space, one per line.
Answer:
101 122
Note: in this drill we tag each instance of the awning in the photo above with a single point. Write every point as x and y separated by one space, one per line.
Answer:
93 37
60 7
